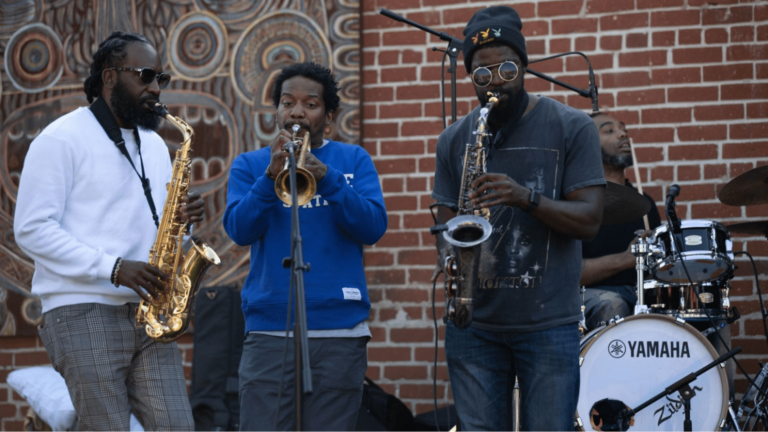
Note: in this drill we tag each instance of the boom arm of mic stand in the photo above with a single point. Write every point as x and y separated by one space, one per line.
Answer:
446 37
590 93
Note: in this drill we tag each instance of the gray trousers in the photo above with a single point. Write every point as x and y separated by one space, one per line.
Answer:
112 369
338 368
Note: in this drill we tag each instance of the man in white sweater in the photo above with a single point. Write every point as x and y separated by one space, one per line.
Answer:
83 216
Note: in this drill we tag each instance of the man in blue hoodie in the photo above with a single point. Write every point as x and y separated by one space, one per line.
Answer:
346 213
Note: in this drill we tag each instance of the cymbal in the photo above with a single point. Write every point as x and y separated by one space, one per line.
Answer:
623 204
749 188
751 228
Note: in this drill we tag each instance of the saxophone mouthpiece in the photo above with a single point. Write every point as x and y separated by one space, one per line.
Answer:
160 110
493 98
296 129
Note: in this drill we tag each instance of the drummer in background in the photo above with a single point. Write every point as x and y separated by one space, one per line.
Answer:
608 266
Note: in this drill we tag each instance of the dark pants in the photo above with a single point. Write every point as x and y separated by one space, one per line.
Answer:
483 365
113 368
338 368
603 304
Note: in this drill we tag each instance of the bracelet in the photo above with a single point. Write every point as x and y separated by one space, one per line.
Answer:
115 271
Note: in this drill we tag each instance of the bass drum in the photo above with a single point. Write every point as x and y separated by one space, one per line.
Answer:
636 359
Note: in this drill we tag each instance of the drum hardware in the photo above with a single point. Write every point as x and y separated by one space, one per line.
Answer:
640 250
749 416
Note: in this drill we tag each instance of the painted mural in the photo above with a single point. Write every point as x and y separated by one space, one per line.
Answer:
223 57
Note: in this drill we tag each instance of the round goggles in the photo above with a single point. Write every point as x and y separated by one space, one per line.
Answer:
483 76
148 75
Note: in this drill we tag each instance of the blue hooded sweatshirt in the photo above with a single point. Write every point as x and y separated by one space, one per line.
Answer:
346 213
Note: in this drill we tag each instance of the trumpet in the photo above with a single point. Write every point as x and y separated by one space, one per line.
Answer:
306 186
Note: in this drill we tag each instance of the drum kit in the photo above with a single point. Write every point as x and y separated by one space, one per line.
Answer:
654 370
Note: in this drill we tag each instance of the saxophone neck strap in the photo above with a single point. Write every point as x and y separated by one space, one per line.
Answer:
106 119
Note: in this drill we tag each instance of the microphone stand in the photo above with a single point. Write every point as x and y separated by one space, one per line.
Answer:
303 381
590 93
682 386
454 47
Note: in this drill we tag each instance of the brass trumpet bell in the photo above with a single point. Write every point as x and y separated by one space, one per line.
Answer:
306 186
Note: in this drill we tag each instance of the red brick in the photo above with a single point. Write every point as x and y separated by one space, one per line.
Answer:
411 335
598 61
716 36
550 66
377 21
689 37
414 313
663 38
417 184
675 18
405 372
702 133
369 58
393 166
651 136
391 185
604 6
749 130
641 97
557 46
744 91
536 28
371 39
407 37
381 130
623 21
757 110
574 25
537 85
761 13
20 342
625 79
386 277
743 34
417 276
428 354
32 358
378 259
428 18
663 173
586 43
427 165
740 168
435 109
718 112
556 8
726 15
714 211
389 354
535 47
667 115
713 171
697 55
747 52
652 4
692 152
407 295
398 74
422 127
459 16
400 110
610 43
676 75
643 58
730 72
370 77
762 33
377 94
688 173
417 256
637 40
400 202
692 94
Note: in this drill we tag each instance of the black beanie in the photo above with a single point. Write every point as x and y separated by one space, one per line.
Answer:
494 24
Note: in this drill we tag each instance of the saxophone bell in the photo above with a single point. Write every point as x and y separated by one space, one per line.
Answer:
306 186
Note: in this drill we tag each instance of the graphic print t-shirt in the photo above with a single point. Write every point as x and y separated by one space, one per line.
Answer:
529 274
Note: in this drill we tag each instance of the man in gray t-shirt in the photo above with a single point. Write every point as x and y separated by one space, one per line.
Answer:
544 190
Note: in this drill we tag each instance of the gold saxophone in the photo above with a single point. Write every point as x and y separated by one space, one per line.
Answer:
168 316
468 230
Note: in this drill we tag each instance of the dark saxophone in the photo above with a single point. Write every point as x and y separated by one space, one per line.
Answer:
468 230
168 316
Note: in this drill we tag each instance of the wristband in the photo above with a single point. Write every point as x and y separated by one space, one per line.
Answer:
534 201
115 271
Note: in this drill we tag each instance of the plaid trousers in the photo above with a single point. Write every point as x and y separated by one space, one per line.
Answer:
112 369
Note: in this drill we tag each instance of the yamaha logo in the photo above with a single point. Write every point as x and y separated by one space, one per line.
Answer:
657 349
617 349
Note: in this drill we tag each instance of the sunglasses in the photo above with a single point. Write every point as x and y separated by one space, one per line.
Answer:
148 75
483 76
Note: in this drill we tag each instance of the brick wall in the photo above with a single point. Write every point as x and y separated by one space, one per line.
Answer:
687 76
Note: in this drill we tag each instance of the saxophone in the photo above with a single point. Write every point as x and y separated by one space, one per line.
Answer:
167 317
467 230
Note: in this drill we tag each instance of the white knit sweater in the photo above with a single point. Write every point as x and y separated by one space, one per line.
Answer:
81 205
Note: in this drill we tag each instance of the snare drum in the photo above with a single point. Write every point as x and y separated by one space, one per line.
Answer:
682 300
638 358
707 253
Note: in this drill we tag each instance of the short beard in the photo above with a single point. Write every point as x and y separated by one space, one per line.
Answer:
510 109
131 111
621 162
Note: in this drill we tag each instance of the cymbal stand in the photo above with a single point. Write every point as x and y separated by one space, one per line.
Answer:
758 411
640 250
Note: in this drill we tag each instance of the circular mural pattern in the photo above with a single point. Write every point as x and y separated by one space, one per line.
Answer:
270 43
197 46
236 13
33 58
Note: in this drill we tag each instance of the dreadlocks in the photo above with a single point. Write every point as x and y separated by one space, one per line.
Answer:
111 53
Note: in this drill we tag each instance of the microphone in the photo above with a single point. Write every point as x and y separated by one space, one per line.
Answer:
673 192
672 218
593 90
